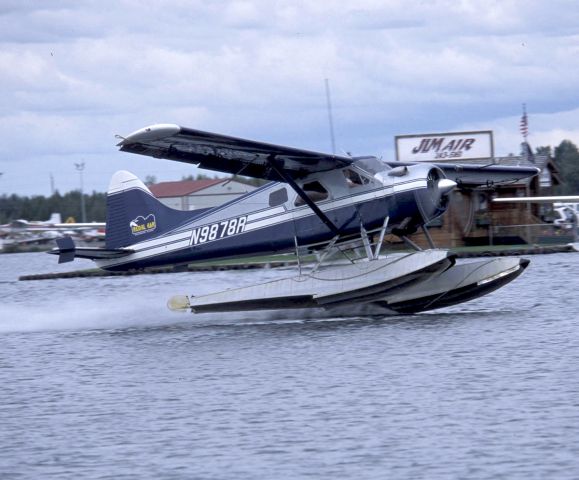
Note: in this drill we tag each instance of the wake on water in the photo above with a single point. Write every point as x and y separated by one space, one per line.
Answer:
116 313
119 303
80 314
133 311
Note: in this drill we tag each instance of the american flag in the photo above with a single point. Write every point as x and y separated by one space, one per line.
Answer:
524 126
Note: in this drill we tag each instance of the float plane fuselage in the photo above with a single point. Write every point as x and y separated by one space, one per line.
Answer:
313 200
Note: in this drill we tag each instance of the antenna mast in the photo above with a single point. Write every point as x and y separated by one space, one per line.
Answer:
330 119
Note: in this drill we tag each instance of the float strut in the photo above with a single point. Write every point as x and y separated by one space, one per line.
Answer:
411 243
428 237
381 238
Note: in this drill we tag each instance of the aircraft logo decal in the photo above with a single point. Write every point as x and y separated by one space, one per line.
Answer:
142 224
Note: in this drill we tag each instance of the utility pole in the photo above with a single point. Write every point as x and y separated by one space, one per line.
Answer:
51 184
80 169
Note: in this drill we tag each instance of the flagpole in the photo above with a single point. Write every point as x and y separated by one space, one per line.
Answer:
525 131
524 123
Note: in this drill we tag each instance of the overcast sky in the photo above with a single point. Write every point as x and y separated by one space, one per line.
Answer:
75 73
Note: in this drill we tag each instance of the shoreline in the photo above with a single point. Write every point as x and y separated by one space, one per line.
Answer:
290 260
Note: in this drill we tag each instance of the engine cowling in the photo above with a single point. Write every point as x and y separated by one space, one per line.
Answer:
430 202
433 201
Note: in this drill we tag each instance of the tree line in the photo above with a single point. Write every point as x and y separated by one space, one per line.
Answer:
567 161
38 207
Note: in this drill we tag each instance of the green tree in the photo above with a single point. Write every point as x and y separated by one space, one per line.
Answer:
150 180
547 150
255 182
14 207
199 176
567 160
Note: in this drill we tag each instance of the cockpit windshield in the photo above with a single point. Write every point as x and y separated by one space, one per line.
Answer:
370 164
354 178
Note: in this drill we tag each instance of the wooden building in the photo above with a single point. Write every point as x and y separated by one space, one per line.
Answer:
472 218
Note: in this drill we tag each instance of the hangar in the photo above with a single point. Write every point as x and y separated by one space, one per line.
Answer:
196 194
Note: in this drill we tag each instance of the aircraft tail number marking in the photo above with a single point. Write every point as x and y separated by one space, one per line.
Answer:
217 230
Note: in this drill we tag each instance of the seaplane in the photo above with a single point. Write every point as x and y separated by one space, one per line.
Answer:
22 232
313 202
53 224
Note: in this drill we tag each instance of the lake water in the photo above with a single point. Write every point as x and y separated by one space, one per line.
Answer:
99 380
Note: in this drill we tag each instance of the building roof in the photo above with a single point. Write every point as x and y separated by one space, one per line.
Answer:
539 161
183 187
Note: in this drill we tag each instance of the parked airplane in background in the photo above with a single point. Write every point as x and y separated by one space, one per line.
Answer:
566 207
314 200
54 223
21 224
22 232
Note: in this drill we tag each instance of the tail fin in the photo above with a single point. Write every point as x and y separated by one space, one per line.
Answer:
55 218
134 214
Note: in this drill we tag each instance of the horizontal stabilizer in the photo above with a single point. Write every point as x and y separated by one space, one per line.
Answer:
67 251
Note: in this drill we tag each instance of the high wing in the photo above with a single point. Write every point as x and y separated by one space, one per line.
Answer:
553 199
226 154
239 156
471 176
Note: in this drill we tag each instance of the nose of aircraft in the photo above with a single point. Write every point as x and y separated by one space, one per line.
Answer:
445 186
435 200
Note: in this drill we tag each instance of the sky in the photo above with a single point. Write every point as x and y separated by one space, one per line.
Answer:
73 74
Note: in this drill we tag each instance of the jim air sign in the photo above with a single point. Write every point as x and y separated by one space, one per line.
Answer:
444 147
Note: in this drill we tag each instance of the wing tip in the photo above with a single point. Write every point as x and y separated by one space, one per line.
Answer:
150 133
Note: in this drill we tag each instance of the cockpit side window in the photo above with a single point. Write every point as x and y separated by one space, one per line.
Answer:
279 197
315 192
354 179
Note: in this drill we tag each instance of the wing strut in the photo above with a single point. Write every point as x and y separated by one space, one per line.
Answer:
289 180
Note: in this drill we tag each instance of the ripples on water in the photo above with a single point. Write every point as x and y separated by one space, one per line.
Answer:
99 380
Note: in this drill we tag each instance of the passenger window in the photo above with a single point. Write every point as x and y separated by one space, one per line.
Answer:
315 192
278 197
354 179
